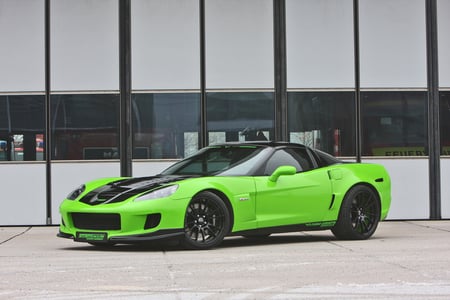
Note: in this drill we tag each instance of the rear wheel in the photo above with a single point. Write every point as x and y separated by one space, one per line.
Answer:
359 214
206 222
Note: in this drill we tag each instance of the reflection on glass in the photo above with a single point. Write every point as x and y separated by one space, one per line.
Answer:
166 125
85 126
323 120
445 122
22 128
240 116
394 123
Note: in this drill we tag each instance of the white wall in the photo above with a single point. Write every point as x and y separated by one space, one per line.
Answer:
84 45
239 44
319 37
393 44
22 45
443 11
66 176
165 44
150 168
410 190
23 197
445 187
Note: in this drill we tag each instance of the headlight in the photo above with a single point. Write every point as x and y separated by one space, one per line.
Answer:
77 192
161 193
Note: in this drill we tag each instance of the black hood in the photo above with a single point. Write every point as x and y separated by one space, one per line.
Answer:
122 190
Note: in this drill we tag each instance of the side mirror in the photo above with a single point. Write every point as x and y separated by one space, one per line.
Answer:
283 170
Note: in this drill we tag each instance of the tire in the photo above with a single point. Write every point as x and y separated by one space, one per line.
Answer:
359 214
206 222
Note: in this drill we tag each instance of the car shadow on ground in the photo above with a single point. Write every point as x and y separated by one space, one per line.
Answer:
228 242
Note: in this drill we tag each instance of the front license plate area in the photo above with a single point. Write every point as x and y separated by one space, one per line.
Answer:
92 236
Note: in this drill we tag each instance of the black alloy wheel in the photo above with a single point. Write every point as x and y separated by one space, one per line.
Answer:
359 214
206 222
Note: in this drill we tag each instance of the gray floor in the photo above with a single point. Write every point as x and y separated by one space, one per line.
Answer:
404 260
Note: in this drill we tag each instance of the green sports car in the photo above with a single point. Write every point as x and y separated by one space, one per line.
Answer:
252 189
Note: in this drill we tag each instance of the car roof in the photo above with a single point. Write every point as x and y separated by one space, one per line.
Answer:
259 143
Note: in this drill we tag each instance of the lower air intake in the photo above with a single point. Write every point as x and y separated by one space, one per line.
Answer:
152 221
96 221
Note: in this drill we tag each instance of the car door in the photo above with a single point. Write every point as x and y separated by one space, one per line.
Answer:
298 198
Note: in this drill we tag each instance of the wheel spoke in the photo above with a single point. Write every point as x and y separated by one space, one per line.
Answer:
363 212
204 220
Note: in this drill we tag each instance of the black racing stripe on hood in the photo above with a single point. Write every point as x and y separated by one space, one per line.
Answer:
122 190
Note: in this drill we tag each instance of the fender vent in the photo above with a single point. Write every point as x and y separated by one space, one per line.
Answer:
332 201
379 180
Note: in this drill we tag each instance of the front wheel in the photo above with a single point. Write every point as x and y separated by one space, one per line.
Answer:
206 222
359 214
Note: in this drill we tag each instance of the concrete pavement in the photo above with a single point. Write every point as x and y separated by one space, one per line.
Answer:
403 260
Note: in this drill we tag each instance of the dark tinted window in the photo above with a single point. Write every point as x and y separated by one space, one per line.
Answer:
22 127
324 159
296 157
218 160
394 123
85 126
323 120
240 116
166 125
445 122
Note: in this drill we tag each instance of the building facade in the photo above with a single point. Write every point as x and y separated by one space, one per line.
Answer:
101 88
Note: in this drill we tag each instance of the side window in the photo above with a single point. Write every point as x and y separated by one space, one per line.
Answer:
303 158
296 157
281 158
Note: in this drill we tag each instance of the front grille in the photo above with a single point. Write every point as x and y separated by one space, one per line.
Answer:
91 221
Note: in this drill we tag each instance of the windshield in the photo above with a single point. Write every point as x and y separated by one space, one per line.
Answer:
219 160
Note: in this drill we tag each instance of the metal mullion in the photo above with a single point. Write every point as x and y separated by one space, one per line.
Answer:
48 145
358 137
434 143
203 109
280 77
126 131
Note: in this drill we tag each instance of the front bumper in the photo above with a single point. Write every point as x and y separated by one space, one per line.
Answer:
83 236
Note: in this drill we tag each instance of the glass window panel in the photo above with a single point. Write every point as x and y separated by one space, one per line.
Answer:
85 126
319 45
297 158
393 43
239 44
165 44
443 21
21 127
394 123
166 125
323 120
22 45
84 45
445 122
243 116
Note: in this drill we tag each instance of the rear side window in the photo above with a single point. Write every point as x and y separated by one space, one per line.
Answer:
324 159
296 157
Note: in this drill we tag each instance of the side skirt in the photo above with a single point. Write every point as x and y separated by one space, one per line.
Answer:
287 228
